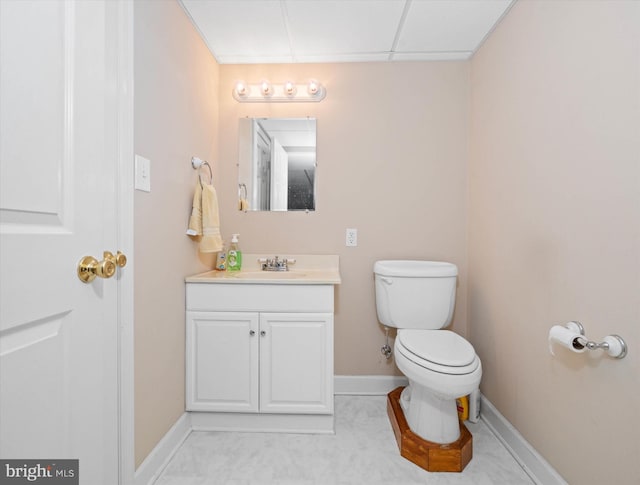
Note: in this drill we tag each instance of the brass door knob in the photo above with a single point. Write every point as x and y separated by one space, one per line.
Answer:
89 267
107 267
121 259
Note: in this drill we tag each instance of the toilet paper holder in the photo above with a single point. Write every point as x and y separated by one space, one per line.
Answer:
614 345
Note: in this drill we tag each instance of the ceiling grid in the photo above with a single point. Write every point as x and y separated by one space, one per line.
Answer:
292 31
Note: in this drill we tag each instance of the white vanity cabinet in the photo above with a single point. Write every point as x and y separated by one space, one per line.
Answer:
259 349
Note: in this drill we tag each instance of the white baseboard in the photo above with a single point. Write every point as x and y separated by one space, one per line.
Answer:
367 385
539 469
153 465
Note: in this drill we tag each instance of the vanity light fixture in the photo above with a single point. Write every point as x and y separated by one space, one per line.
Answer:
265 92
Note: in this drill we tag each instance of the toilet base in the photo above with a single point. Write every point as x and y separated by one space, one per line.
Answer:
433 457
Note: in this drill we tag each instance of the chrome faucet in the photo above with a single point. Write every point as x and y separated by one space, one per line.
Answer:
276 264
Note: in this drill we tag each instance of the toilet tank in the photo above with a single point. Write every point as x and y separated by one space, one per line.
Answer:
415 294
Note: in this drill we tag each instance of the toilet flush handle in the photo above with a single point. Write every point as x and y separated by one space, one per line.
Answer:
386 280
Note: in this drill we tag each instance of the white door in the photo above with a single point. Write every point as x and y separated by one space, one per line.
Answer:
58 335
279 176
296 363
222 361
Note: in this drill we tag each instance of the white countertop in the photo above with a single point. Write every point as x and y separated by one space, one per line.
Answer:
308 270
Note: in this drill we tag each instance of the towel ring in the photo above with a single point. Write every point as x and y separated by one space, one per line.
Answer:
197 164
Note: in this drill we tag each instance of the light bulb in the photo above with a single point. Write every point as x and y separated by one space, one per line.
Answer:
289 88
241 88
265 88
313 87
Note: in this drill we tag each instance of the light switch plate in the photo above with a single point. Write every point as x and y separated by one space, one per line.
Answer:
143 174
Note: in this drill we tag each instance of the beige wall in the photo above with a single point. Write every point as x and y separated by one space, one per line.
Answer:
176 117
554 228
392 154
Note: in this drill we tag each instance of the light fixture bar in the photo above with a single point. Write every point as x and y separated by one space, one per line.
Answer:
286 92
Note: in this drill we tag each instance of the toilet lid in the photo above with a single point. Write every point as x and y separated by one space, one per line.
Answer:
441 347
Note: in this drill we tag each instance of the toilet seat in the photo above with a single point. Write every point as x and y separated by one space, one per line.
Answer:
440 351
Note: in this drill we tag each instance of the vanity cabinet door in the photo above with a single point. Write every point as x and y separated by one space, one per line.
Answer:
296 363
222 361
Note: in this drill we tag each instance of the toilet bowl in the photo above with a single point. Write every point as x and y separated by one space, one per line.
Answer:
417 298
436 380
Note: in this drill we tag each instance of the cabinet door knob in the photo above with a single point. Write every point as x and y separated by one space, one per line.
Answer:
252 332
263 333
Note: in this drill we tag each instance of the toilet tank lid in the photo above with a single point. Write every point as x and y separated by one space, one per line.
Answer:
415 268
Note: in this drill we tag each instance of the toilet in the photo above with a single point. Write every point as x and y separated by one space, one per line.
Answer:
417 298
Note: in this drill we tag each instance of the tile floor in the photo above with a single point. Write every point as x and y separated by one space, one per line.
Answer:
362 452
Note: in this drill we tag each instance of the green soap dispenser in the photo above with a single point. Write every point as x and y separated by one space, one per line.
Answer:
234 255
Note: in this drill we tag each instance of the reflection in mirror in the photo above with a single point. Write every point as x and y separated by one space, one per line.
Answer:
277 163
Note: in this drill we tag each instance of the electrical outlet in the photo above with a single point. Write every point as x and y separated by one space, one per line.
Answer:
352 237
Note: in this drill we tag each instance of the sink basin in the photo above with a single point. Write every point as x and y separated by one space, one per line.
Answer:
267 275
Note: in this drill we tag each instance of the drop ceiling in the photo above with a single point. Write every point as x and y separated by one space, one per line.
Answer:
291 31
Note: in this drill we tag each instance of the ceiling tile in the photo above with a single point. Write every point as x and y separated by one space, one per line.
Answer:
287 31
445 25
360 57
432 56
247 28
254 59
343 27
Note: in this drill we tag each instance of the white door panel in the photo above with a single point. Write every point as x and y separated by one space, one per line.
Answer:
39 393
35 70
222 361
296 363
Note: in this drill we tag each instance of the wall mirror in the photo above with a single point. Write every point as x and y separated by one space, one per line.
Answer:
277 163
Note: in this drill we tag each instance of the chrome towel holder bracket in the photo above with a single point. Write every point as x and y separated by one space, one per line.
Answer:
614 345
197 164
